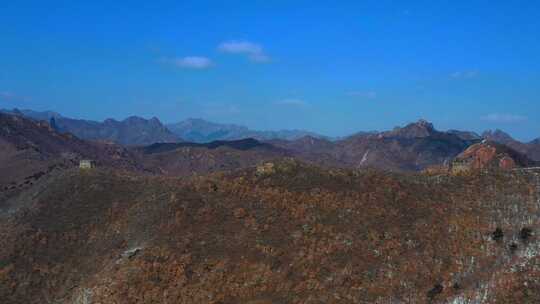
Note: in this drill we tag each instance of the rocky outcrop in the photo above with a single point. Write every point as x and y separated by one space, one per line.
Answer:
531 149
490 155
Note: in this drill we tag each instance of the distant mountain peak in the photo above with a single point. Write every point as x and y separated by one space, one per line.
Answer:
498 136
203 131
421 128
135 119
424 124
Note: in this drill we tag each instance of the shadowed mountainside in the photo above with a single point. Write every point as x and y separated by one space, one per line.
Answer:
195 158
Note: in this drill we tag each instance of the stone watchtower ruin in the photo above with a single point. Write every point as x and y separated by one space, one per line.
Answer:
460 166
86 164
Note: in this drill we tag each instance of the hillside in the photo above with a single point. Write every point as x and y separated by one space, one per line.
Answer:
193 158
284 232
30 149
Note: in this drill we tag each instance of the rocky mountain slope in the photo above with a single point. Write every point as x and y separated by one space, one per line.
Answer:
283 232
410 148
192 158
30 149
492 155
531 149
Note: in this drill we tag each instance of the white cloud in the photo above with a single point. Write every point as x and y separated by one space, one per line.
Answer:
191 62
255 52
464 74
240 47
292 102
503 118
368 94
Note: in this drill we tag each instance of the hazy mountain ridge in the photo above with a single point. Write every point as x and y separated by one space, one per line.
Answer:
132 131
201 131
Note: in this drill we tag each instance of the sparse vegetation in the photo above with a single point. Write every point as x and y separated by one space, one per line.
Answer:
299 233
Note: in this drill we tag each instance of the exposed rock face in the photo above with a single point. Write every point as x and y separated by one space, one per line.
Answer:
490 155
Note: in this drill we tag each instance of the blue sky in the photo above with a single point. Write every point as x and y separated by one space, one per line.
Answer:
326 66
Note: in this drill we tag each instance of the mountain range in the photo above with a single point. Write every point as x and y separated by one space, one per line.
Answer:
262 222
137 131
398 146
413 147
280 232
39 144
201 131
132 131
30 150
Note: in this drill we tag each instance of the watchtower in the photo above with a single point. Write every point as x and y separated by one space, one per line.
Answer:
460 166
86 164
